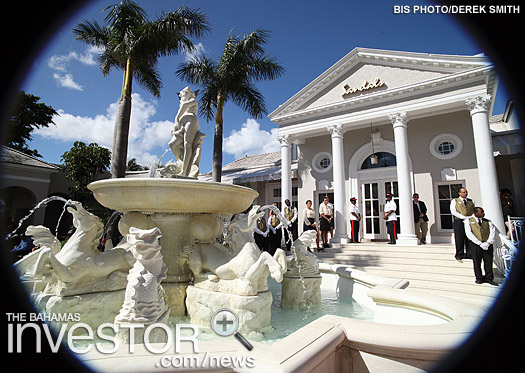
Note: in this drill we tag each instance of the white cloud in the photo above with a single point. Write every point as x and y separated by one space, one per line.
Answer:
197 52
145 134
251 140
66 81
60 64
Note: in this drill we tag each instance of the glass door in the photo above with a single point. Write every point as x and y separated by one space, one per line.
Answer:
370 197
373 197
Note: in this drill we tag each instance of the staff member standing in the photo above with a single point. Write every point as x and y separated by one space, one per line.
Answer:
326 211
290 213
461 208
309 221
420 219
276 234
355 218
260 234
481 233
391 218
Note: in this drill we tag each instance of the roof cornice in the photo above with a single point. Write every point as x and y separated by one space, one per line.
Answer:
452 64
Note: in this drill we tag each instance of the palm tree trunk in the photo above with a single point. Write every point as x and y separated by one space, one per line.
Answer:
216 170
121 131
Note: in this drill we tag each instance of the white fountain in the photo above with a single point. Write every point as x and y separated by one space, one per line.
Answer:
169 263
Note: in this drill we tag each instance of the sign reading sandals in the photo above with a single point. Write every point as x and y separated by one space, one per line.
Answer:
363 87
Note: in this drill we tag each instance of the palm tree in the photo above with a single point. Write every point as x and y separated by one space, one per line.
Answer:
242 63
133 43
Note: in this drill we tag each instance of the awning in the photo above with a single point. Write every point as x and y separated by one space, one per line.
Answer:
252 175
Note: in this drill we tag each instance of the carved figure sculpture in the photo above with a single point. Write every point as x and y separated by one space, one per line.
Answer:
241 260
79 258
42 237
186 138
307 264
145 300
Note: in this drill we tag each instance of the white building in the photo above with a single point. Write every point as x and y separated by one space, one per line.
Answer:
425 116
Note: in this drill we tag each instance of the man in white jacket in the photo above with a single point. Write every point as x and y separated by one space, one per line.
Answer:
482 234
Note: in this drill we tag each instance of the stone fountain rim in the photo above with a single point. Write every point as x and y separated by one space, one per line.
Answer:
100 189
137 181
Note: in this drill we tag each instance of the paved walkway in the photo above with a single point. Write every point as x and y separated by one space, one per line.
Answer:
431 268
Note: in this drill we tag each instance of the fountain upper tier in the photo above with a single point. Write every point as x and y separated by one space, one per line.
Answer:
168 195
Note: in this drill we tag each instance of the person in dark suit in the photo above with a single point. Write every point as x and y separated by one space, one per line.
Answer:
420 218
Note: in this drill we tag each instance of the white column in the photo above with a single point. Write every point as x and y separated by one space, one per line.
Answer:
286 168
407 234
338 171
488 178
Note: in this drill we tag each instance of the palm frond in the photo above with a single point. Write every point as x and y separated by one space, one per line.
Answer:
249 99
149 78
91 32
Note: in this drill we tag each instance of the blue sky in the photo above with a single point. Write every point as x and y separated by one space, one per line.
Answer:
307 37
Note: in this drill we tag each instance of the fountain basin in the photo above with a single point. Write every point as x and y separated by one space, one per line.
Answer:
163 195
407 331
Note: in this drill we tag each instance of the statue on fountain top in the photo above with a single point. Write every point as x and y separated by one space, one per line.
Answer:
186 138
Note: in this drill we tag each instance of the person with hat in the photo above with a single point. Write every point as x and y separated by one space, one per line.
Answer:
482 234
420 218
355 218
391 218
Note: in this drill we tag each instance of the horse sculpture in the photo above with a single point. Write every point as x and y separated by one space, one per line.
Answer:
79 259
241 262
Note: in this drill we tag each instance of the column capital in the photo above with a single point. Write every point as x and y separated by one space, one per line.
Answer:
285 140
336 130
478 104
398 119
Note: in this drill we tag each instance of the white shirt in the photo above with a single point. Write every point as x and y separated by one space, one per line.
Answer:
308 213
474 239
355 209
455 212
391 206
326 209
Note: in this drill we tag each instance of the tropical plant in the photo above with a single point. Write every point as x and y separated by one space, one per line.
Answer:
83 164
133 43
27 114
243 62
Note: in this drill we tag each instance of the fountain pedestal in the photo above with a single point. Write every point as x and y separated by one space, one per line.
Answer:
254 311
173 204
301 293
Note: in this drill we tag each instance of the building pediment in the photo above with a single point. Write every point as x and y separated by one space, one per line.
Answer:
367 74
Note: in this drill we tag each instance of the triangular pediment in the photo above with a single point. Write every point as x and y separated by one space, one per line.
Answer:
368 72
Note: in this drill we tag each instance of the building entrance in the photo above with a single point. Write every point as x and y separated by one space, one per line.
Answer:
373 199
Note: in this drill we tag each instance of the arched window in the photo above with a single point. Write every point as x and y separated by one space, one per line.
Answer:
384 159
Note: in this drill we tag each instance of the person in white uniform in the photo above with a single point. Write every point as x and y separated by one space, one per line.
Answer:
391 218
481 234
355 218
461 208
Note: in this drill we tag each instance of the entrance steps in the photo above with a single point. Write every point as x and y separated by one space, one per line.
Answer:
429 268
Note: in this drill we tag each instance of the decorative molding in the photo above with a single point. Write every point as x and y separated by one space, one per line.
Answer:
336 130
478 104
398 119
285 140
455 67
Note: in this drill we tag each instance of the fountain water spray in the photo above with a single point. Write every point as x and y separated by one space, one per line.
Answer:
45 201
294 253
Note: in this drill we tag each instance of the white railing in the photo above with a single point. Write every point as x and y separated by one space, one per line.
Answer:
515 225
506 247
